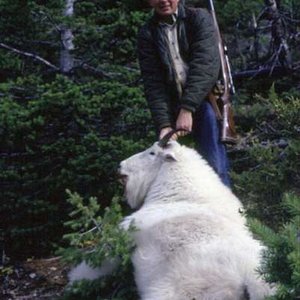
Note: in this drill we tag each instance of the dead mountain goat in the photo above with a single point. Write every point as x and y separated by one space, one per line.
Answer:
191 240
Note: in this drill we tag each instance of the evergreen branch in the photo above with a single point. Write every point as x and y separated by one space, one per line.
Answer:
28 54
55 25
95 70
89 231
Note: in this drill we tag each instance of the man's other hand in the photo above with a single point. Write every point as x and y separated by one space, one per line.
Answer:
184 121
164 131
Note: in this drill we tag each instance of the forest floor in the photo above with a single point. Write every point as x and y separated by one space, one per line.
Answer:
37 279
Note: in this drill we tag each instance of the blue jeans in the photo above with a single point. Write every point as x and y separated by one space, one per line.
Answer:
206 132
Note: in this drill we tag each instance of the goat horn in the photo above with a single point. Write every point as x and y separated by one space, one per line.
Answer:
165 139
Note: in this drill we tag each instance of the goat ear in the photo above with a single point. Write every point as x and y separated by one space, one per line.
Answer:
170 156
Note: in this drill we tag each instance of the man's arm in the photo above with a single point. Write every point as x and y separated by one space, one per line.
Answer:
204 64
154 81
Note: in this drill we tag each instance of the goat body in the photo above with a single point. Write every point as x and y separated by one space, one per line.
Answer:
192 242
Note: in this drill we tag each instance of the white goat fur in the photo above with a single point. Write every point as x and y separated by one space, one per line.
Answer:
191 239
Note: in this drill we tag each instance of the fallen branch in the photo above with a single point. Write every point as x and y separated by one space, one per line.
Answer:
31 55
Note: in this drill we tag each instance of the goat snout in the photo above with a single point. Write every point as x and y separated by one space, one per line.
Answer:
122 178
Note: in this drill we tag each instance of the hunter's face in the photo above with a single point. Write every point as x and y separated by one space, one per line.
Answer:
164 7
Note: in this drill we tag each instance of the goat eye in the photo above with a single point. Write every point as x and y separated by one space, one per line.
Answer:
152 153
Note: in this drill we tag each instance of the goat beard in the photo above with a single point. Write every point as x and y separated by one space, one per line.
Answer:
135 192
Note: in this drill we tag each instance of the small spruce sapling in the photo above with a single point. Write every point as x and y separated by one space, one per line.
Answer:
96 238
281 260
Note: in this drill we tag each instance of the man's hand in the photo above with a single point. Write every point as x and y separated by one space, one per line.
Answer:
164 131
185 121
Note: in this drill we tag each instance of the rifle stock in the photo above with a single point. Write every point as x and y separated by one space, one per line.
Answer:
229 134
220 95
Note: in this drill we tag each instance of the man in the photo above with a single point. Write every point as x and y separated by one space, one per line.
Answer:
180 64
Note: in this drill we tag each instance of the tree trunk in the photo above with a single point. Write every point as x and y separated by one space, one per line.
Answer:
66 57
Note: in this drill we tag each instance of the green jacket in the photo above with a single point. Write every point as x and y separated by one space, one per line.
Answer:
198 47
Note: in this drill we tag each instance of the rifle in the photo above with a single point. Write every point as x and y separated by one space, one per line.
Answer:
219 97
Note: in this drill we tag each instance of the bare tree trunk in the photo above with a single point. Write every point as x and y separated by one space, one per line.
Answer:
66 57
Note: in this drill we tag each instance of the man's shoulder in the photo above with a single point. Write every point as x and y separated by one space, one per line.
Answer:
198 19
148 31
145 30
196 13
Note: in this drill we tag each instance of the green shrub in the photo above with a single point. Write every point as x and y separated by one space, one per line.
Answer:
270 159
56 136
281 261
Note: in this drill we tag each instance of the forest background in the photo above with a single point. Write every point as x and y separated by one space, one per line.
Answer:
72 107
